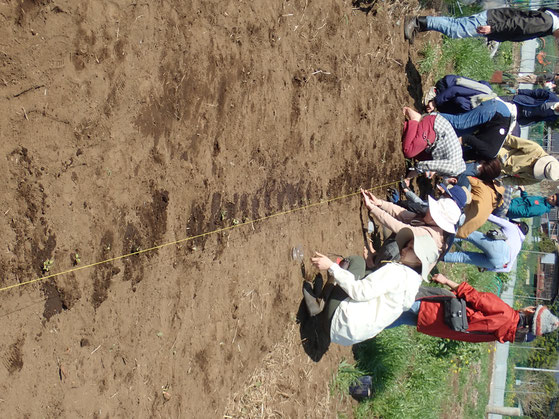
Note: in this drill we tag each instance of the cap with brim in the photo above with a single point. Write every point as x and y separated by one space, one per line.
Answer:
445 213
546 168
458 194
543 321
424 248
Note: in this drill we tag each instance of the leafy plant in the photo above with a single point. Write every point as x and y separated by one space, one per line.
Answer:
47 264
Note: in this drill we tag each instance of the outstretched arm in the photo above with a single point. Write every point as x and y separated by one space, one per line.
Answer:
443 280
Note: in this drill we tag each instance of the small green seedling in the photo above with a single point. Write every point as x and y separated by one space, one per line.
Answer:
76 258
223 215
235 221
47 264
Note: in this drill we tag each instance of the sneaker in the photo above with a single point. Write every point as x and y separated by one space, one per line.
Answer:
430 95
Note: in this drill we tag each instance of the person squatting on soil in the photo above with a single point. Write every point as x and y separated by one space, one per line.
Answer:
460 194
483 130
528 206
432 140
440 219
361 304
504 24
489 318
486 197
525 162
456 94
498 250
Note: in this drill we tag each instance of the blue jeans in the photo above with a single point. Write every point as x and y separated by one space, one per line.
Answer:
468 122
471 169
408 317
496 253
462 27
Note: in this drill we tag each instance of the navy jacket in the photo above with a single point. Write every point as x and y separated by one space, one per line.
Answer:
531 106
452 98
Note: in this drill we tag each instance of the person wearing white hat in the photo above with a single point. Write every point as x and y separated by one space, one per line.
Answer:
361 305
440 219
525 162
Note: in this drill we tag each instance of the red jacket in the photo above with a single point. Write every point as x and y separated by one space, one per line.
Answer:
486 313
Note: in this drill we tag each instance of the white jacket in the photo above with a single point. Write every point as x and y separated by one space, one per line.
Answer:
374 302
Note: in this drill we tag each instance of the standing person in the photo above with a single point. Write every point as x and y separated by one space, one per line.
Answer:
497 254
530 205
489 318
432 141
536 106
360 306
504 24
525 162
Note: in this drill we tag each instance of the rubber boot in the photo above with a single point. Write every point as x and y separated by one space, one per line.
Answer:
314 305
412 25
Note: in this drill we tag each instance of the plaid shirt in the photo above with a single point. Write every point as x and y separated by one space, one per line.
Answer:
447 154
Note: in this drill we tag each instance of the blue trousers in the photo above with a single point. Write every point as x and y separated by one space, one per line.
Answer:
494 253
468 122
408 317
461 27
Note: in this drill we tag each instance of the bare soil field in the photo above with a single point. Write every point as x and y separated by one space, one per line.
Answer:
128 125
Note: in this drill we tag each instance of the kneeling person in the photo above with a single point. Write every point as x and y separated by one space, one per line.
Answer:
359 306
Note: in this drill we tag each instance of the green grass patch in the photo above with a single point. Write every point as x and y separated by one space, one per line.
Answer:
412 373
466 57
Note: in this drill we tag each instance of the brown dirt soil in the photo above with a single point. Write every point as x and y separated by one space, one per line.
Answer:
126 125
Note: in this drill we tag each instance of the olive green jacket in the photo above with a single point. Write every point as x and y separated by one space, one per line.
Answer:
517 158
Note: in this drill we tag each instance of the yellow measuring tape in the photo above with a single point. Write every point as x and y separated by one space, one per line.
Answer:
219 230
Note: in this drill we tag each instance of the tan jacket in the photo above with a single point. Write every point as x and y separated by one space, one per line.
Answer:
518 157
484 201
394 217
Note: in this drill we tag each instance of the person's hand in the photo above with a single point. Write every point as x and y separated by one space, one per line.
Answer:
440 279
369 199
484 30
322 262
452 180
521 188
412 115
429 174
430 107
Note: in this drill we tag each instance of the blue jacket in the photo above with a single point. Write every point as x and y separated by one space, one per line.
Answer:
452 98
528 206
531 106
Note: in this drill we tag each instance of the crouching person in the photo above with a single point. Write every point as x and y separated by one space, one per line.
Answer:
488 318
355 306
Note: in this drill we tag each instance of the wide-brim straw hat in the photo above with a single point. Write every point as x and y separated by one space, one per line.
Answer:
546 168
424 248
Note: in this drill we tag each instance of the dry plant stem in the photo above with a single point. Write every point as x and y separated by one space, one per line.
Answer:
28 90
